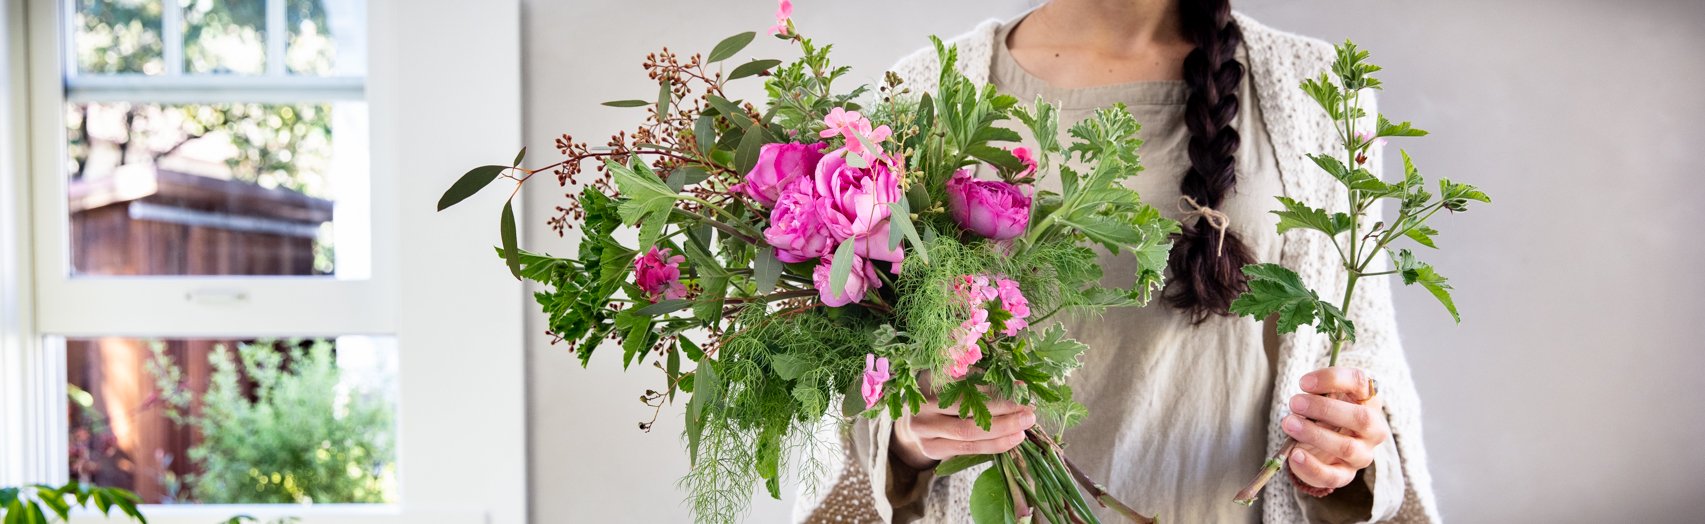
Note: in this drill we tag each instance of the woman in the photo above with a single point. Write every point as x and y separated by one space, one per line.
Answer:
1185 401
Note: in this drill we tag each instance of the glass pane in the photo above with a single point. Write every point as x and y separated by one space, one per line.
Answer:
225 36
234 421
118 36
327 37
220 189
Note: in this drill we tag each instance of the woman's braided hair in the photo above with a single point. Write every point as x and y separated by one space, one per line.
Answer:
1206 275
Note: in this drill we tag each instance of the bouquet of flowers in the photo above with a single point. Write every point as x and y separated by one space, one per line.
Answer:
824 251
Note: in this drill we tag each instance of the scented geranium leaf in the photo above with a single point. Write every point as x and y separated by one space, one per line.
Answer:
1274 289
1327 94
1332 166
1044 123
996 134
1332 320
1456 196
960 463
729 46
1061 415
648 199
1422 235
1108 135
991 498
1297 215
1415 271
1414 188
1386 128
997 157
972 402
1057 351
752 68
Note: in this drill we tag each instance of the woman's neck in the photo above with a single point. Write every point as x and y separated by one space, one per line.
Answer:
1110 24
1086 43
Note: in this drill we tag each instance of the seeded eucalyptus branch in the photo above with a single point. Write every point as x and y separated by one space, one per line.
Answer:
1277 291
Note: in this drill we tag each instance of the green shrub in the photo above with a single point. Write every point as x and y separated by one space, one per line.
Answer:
277 427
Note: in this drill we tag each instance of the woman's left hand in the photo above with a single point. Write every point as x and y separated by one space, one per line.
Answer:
1335 438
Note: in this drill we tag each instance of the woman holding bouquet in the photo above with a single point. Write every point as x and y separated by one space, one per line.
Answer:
1184 394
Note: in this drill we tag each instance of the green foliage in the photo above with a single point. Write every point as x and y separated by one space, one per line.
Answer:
1274 290
25 504
991 501
280 427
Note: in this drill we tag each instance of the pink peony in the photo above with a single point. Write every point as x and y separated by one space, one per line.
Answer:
854 204
851 125
862 277
778 166
784 11
796 227
990 208
1027 158
659 275
875 374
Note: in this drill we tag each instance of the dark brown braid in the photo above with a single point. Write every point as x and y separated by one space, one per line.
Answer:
1206 276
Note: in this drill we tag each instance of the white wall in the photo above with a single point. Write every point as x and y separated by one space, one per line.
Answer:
1564 395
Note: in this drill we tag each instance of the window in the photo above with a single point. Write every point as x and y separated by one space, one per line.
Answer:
214 148
213 191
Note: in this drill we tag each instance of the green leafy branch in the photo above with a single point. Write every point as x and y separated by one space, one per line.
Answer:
24 504
1276 291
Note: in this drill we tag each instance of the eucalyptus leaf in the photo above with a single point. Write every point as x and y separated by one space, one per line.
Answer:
627 103
511 248
469 184
729 46
752 68
841 267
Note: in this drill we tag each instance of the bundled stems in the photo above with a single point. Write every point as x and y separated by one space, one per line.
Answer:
1043 482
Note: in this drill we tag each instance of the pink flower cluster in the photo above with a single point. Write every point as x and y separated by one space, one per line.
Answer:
659 275
979 295
784 11
818 200
875 375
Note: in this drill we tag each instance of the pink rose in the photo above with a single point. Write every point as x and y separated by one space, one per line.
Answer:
778 166
1027 158
875 374
990 208
854 204
796 227
659 275
862 278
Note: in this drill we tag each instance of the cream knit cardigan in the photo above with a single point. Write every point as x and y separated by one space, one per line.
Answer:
1278 62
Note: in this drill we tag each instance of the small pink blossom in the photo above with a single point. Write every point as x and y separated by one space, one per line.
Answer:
966 350
852 125
875 374
1027 158
1366 138
659 275
784 11
1013 301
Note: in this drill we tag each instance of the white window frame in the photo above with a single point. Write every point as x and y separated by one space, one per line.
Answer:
443 90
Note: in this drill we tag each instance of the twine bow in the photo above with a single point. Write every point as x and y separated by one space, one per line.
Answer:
1215 219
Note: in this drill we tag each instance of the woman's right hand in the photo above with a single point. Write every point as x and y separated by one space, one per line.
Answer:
935 433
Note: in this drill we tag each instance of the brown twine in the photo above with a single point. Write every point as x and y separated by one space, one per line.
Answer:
1215 219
